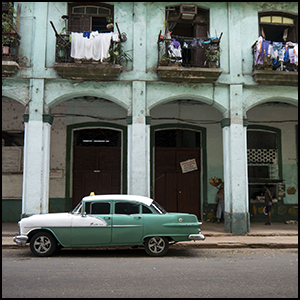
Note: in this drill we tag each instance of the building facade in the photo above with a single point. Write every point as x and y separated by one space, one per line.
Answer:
147 115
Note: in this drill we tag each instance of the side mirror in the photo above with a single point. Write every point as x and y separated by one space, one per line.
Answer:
84 214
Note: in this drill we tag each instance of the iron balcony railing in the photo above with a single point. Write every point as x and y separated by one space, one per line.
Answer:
63 51
266 58
188 51
10 45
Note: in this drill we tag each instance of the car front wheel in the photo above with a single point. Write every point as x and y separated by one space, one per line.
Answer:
156 246
43 244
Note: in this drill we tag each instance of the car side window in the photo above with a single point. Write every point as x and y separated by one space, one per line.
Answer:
146 210
97 208
126 208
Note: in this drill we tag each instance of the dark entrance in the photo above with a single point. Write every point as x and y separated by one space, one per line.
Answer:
174 190
96 162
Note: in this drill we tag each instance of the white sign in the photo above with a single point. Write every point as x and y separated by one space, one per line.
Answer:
188 165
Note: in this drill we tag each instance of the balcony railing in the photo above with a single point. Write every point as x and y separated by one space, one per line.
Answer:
188 51
10 46
276 61
274 65
63 51
188 60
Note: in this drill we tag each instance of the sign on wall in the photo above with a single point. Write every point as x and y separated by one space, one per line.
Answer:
188 165
12 159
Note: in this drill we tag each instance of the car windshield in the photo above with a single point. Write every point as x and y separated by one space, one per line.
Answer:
77 209
158 208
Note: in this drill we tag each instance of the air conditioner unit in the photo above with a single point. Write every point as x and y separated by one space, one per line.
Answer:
188 11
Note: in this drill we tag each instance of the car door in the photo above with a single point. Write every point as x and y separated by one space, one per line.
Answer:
127 223
93 227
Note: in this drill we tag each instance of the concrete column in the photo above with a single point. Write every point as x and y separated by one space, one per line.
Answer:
139 33
138 143
36 165
237 220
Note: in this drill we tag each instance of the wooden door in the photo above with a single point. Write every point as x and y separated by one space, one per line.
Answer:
96 169
174 190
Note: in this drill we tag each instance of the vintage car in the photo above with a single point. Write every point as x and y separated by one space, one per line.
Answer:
109 220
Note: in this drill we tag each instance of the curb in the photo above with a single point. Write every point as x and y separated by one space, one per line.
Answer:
225 245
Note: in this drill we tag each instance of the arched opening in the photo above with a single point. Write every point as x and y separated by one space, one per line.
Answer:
271 152
178 168
186 131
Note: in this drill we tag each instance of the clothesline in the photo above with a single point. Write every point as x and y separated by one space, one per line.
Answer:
277 51
91 45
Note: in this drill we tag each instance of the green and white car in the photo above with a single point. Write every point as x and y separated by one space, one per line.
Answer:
109 220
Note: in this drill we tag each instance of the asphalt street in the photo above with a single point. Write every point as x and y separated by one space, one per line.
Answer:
126 272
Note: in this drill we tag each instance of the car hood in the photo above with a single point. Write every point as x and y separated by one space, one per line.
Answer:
47 220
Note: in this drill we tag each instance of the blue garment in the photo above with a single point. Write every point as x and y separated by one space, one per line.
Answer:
265 47
86 34
286 55
275 62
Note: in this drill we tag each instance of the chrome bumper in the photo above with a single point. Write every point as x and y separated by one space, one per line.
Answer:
197 237
20 239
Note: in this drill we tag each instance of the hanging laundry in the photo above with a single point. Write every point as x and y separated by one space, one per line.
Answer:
259 53
86 34
286 54
175 51
176 44
95 47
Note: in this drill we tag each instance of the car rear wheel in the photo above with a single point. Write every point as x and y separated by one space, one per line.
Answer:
156 245
43 244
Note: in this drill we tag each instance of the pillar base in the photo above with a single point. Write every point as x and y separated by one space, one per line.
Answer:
237 223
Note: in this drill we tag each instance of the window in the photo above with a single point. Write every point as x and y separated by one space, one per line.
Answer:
177 138
12 151
89 17
127 208
262 154
97 208
189 21
146 210
278 27
158 208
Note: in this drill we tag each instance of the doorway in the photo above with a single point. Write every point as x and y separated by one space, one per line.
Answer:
96 162
174 188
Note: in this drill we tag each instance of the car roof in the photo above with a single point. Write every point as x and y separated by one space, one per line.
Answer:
141 199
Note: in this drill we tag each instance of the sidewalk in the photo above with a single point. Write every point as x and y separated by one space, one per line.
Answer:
278 235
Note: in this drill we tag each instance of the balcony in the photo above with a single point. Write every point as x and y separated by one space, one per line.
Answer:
10 49
274 70
80 68
188 60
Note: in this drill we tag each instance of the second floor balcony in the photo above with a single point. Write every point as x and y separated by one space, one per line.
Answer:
10 50
188 60
89 56
275 63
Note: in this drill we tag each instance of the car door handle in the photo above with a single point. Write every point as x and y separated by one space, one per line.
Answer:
137 218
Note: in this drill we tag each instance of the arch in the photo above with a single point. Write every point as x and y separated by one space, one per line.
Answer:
272 99
206 100
13 97
92 93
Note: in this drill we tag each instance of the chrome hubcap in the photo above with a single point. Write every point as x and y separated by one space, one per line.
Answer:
156 244
42 244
